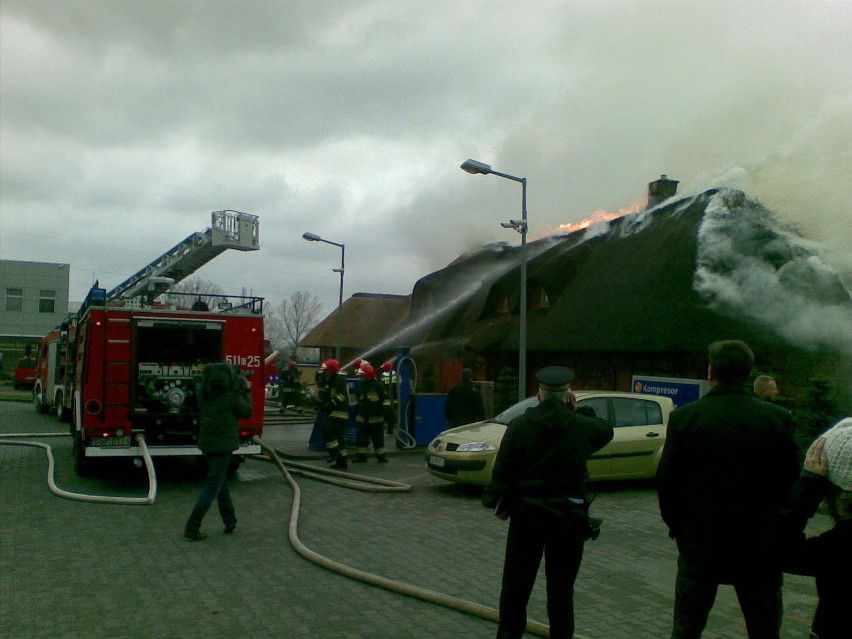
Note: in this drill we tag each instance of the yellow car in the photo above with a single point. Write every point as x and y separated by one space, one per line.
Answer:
466 454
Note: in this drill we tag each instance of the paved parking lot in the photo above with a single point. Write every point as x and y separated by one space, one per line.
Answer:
71 569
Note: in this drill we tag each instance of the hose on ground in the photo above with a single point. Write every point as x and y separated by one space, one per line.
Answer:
104 499
416 592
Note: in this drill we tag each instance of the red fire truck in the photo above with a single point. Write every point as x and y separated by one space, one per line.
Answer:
125 365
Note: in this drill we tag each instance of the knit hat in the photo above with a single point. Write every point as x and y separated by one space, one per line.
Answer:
838 450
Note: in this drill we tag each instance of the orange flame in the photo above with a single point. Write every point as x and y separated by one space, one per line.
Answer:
597 217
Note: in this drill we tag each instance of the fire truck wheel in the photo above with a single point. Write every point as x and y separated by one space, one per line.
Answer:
59 408
82 466
39 404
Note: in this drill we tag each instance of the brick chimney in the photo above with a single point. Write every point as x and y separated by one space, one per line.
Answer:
660 190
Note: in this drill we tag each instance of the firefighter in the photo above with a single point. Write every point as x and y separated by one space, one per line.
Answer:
374 410
290 385
334 401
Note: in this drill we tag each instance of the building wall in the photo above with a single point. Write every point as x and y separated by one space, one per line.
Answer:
33 300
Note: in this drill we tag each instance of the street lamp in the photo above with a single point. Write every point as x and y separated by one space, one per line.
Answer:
312 237
475 167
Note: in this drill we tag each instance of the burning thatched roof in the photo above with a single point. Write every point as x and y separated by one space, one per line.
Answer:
673 278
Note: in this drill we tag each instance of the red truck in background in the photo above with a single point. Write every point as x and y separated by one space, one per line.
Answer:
25 372
126 363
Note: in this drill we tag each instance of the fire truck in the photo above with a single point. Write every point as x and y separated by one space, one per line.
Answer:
126 363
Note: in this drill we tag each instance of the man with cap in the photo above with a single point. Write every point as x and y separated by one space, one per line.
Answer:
539 482
827 474
728 465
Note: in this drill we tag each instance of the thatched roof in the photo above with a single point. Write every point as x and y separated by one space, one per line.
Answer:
366 318
674 278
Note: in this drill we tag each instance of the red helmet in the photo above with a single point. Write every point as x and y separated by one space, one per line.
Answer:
367 371
357 363
332 366
292 364
387 367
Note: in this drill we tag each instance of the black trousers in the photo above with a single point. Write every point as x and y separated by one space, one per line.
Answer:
370 432
533 533
700 571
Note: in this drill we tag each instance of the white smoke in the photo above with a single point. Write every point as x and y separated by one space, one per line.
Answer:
748 265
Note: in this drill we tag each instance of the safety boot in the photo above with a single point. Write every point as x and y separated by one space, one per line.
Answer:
383 459
341 462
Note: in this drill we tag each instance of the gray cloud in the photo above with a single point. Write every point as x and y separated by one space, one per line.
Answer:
125 123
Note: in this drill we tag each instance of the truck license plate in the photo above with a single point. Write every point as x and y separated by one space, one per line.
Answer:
436 461
123 440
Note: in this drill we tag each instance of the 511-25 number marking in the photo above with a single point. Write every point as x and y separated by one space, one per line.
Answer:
246 361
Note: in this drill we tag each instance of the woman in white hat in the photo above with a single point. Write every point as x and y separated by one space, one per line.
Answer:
828 557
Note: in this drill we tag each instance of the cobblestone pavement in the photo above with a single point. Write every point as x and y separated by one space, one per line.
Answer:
97 571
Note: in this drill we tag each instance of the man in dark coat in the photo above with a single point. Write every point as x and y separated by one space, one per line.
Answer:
464 402
224 395
539 481
727 468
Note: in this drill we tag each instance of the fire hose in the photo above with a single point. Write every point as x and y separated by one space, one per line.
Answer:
391 585
346 480
106 499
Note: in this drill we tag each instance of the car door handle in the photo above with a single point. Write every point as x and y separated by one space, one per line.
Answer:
652 434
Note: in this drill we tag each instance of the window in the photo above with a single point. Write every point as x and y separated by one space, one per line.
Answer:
501 307
599 405
636 412
47 301
539 298
14 299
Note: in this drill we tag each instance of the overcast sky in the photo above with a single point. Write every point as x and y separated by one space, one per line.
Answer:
124 124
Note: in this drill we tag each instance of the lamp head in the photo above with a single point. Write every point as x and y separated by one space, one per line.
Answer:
311 237
473 166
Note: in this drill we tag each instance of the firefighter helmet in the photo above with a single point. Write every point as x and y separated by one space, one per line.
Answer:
332 366
387 367
292 364
367 371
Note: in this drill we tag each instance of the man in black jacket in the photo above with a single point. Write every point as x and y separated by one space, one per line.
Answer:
464 403
728 465
539 480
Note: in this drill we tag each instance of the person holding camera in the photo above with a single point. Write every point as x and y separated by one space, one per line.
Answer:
224 396
539 483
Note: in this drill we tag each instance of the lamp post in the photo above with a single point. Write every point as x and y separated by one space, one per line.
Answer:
475 167
311 237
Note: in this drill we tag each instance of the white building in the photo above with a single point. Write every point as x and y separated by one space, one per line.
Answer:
34 301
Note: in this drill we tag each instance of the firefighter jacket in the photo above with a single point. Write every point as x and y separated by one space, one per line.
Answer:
374 407
289 380
334 397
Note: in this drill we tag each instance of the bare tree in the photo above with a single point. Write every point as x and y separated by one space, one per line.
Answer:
291 321
203 291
